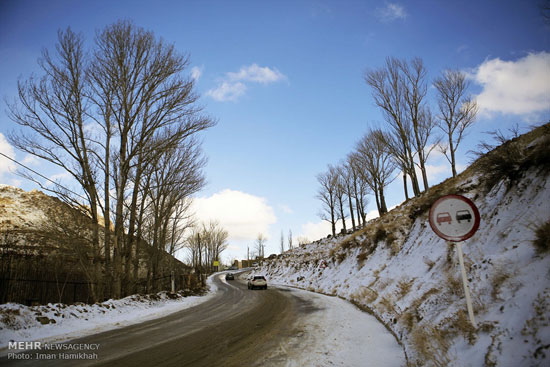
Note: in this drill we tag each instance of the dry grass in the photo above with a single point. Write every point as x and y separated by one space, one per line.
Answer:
430 345
542 238
365 295
386 305
454 284
395 247
429 263
501 275
411 316
403 287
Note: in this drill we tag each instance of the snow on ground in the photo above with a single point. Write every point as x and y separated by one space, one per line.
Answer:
412 282
19 323
338 334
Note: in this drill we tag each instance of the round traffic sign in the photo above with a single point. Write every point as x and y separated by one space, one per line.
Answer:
454 218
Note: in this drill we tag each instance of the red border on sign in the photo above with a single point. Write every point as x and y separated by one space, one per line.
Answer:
477 218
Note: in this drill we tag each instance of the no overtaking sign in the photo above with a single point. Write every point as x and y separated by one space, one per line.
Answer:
454 218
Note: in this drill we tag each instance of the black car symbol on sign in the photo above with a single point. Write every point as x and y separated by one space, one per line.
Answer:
463 215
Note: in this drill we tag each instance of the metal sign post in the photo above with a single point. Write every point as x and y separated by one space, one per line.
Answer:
465 283
455 218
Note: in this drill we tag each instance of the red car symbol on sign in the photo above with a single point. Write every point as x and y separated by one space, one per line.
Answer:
444 217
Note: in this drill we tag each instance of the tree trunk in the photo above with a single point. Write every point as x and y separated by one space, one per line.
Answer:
342 214
424 175
452 151
405 185
332 221
351 212
383 207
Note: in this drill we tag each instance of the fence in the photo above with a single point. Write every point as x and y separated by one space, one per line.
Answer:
31 274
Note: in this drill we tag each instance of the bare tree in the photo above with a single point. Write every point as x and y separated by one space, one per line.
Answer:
282 242
457 111
377 165
260 245
347 177
108 117
360 187
327 195
340 192
417 112
54 111
389 94
290 239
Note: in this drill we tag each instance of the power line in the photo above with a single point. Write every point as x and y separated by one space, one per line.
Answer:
50 180
41 175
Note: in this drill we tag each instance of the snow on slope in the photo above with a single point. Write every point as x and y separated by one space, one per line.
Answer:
400 271
19 323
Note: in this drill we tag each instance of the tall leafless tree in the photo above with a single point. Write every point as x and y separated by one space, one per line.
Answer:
346 180
260 245
290 239
413 76
360 187
377 165
327 194
340 194
53 110
457 111
111 117
388 90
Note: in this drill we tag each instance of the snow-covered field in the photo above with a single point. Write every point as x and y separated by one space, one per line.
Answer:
19 323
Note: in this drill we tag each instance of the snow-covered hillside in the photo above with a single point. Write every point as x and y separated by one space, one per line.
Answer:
400 271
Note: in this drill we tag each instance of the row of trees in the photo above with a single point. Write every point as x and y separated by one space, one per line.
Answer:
404 143
121 118
206 243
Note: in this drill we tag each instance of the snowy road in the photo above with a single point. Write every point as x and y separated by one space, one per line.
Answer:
239 327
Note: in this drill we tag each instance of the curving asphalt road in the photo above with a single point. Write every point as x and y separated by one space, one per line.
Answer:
237 327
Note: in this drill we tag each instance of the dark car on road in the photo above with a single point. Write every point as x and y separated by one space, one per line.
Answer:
229 276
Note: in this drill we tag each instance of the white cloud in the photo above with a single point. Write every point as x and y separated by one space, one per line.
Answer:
62 178
241 214
227 91
30 160
285 208
519 87
257 74
196 72
233 86
314 231
391 12
6 165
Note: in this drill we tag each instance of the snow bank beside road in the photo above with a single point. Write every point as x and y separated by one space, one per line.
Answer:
62 322
337 334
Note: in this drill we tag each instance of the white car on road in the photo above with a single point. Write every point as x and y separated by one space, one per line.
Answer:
257 281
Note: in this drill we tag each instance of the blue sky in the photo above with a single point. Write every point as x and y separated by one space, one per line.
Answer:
284 79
